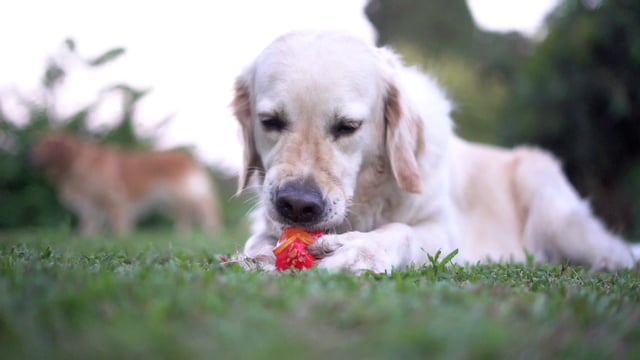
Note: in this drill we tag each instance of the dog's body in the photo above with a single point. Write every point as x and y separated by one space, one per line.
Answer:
342 137
105 183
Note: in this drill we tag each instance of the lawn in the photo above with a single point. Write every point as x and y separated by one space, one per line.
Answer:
159 295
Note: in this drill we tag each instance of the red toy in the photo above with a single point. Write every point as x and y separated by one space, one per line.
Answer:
291 250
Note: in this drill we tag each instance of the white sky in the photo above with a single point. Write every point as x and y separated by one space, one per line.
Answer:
525 16
187 51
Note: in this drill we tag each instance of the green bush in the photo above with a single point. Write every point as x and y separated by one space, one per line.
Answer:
25 196
578 96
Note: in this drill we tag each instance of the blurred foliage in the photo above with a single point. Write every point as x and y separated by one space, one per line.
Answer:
473 65
573 92
26 196
578 95
476 116
437 26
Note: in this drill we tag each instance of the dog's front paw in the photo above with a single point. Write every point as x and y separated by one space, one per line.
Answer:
349 252
260 262
619 256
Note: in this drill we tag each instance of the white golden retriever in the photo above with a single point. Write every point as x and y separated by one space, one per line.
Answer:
340 136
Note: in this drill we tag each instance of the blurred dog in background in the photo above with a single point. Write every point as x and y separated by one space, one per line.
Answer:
105 184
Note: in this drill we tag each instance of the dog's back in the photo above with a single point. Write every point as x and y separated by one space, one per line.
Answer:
174 181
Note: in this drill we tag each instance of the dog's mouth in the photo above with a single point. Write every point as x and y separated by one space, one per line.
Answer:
311 226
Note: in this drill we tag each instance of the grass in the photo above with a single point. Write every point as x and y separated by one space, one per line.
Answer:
159 295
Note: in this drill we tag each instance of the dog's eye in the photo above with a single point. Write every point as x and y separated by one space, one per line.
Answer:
273 124
345 128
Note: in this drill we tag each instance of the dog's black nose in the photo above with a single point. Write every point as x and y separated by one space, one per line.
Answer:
299 203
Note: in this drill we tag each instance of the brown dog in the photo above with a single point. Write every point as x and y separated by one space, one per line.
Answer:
99 182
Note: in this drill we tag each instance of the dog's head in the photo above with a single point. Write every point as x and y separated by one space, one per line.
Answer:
54 152
316 108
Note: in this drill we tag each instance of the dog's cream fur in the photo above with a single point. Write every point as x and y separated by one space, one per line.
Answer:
102 183
402 185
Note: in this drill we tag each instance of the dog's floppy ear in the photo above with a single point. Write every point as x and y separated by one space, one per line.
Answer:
241 105
404 140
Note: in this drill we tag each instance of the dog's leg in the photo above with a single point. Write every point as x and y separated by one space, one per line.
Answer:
120 219
190 210
560 225
90 222
183 217
208 214
258 253
558 228
635 251
393 246
197 202
90 218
